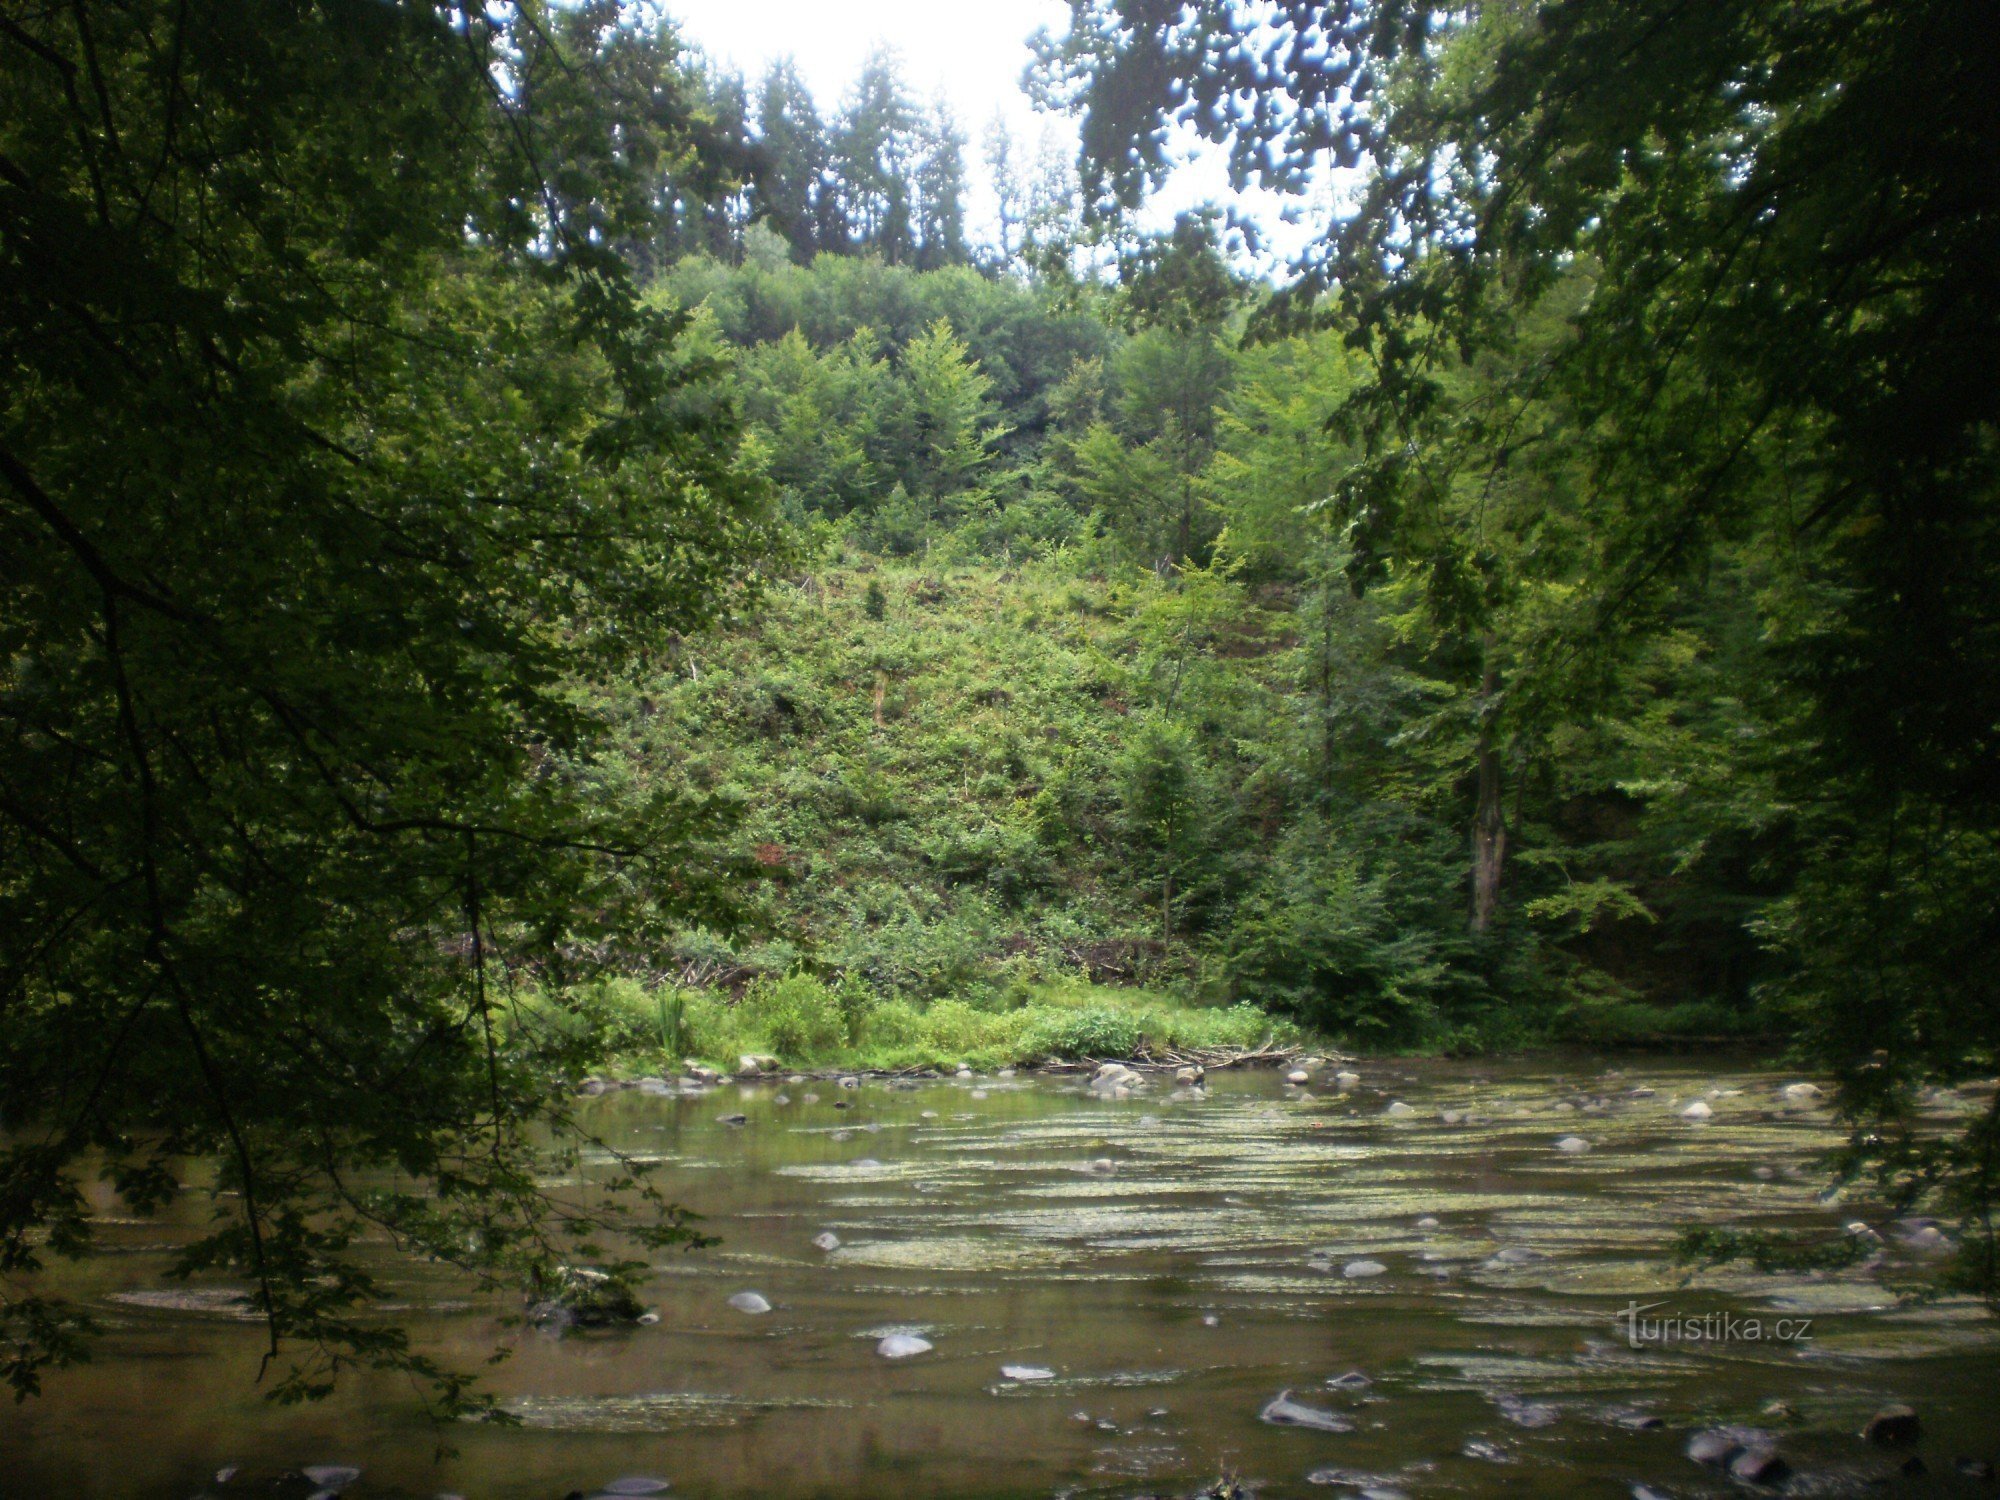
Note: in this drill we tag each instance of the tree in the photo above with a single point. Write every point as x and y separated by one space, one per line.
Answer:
938 183
1790 223
794 188
1010 188
948 422
874 153
322 487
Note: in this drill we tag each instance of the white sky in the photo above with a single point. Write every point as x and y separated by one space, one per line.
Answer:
971 52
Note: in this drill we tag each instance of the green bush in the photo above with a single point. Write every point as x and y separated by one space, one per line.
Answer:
1096 1031
797 1017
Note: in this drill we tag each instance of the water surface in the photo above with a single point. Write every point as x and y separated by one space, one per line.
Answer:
1173 1261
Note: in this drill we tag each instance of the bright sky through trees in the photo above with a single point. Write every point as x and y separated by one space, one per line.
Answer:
969 52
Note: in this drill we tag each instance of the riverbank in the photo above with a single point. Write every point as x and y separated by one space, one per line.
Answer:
805 1025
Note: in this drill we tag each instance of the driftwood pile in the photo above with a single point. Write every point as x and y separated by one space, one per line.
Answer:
1153 1057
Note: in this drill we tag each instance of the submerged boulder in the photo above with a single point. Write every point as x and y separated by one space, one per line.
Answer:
1893 1425
1115 1075
1282 1411
584 1297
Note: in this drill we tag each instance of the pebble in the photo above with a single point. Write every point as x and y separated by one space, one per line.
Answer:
1698 1110
826 1240
1356 1270
1399 1109
1427 1222
903 1345
1298 1075
1575 1145
749 1302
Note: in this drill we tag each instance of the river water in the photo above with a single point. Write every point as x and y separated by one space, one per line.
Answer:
1173 1260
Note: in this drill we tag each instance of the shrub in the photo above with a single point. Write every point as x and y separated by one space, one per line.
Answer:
1094 1031
797 1016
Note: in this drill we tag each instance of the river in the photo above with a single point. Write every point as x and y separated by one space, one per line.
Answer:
1155 1270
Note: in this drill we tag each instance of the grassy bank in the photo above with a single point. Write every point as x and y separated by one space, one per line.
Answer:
809 1023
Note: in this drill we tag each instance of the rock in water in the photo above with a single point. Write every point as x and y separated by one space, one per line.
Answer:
749 1302
586 1298
1358 1270
1298 1075
1802 1093
1026 1372
1893 1425
635 1484
1116 1076
903 1345
1698 1110
826 1240
1399 1109
732 1119
1282 1411
1759 1466
1575 1145
1345 1080
335 1477
1353 1380
1716 1446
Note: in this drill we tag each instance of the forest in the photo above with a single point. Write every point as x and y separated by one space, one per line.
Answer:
525 555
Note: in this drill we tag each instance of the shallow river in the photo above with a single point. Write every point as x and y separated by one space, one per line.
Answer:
1172 1261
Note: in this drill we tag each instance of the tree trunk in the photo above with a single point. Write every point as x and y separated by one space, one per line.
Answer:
1489 823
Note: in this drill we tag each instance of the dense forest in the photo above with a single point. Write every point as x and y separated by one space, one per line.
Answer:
521 548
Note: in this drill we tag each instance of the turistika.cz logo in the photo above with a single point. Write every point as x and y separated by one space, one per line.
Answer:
1706 1328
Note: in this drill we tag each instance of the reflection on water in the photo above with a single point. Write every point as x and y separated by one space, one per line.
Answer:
1114 1291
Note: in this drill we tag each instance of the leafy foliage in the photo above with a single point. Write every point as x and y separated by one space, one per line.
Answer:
322 488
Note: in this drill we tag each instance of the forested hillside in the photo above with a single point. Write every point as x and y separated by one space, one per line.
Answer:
1068 677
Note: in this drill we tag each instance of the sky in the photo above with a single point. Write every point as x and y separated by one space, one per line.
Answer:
969 52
